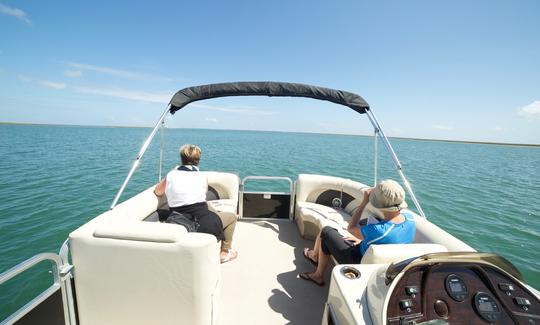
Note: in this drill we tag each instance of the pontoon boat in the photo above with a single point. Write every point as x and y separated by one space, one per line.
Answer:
126 267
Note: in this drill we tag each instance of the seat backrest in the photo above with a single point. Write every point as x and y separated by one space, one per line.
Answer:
428 232
390 253
223 185
323 189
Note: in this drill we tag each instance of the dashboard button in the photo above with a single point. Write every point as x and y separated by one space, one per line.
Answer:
405 304
411 291
441 308
507 288
522 301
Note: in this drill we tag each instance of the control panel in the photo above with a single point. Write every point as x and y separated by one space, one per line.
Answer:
461 293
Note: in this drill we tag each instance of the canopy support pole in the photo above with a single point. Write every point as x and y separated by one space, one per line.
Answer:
375 156
395 159
162 133
139 157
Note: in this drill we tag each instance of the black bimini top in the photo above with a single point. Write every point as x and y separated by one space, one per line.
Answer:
266 88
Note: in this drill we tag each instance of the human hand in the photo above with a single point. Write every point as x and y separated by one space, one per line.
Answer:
352 239
366 194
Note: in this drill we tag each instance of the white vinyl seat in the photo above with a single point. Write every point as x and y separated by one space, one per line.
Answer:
224 193
322 216
315 195
132 272
390 253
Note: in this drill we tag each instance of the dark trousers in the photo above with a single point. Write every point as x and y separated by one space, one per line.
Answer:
209 222
345 252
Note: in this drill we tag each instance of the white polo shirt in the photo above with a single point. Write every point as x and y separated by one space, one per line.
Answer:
185 188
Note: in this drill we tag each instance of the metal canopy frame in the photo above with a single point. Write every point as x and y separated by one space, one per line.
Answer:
189 95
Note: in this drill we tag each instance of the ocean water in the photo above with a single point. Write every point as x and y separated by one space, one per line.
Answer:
55 178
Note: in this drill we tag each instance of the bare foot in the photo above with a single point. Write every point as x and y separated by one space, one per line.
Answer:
311 277
309 255
229 255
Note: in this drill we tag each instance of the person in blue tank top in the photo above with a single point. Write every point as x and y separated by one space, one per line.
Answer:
388 225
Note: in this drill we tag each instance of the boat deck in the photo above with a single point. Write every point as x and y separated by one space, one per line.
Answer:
262 286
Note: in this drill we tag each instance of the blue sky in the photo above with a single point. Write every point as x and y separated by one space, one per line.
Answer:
460 70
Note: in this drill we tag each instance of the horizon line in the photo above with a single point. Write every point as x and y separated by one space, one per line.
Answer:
303 132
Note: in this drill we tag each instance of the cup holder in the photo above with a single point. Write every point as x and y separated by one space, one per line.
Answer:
350 272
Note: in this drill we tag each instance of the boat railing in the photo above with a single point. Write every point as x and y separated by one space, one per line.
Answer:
61 281
266 178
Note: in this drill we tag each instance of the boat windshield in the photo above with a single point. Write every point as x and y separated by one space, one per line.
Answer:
453 257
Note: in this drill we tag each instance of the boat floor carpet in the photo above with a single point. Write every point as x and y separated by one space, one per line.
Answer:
261 286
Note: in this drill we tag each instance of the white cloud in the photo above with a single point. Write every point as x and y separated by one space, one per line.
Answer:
497 128
73 73
141 96
115 72
54 85
530 111
442 127
211 119
24 78
247 111
17 13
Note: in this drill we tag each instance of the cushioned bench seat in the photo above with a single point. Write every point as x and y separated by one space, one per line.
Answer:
224 206
133 272
325 201
315 216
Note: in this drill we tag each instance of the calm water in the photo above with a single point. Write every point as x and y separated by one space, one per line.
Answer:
55 178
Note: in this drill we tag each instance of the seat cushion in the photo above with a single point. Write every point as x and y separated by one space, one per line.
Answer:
312 217
222 207
390 253
139 231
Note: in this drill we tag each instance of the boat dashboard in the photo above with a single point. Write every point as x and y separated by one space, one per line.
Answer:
461 293
432 289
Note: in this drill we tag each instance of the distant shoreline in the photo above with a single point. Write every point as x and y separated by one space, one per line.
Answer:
361 135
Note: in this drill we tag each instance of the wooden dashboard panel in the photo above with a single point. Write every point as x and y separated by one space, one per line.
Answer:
461 293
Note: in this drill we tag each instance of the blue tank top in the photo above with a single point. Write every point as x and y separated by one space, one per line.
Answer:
386 232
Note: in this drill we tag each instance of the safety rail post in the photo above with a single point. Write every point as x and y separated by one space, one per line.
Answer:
395 159
59 283
66 272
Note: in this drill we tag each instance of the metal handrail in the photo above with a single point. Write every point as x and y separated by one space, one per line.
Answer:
58 284
241 191
66 272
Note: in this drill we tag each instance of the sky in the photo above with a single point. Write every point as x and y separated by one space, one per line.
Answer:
455 70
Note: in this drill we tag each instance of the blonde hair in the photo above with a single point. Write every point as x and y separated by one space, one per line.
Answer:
190 154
